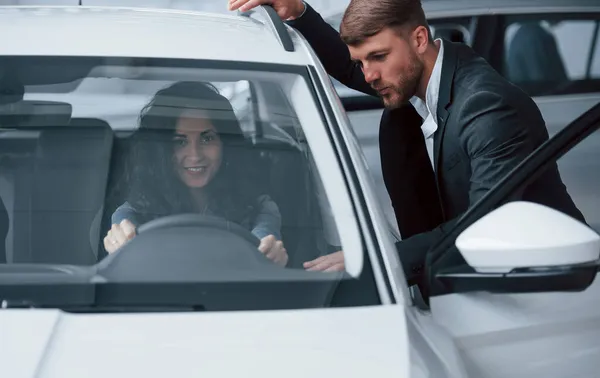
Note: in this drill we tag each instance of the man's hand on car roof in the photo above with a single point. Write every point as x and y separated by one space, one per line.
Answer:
286 9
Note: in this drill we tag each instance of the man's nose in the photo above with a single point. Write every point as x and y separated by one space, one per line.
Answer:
371 75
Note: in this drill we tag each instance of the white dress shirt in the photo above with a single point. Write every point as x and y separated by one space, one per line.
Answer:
428 109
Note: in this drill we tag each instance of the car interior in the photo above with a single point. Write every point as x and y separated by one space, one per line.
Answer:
59 207
63 173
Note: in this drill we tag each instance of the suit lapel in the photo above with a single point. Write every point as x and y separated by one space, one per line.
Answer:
444 99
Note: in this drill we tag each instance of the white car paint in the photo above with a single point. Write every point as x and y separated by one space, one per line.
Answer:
524 335
319 343
512 237
532 334
69 31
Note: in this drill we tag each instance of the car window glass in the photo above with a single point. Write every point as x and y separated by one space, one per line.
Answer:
580 171
239 95
59 170
546 55
452 33
455 29
595 67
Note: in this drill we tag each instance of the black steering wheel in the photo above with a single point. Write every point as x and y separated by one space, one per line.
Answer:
198 220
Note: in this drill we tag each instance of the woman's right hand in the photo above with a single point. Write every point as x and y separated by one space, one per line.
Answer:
274 250
118 235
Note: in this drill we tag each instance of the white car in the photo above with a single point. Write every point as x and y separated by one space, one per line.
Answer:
510 293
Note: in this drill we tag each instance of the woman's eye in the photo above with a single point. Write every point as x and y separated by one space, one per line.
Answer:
208 138
179 142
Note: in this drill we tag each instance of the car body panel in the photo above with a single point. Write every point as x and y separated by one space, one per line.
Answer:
354 342
70 31
524 335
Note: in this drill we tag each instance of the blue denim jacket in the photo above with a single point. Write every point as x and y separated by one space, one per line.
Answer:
267 221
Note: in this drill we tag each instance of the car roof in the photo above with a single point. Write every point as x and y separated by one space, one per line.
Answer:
139 32
437 8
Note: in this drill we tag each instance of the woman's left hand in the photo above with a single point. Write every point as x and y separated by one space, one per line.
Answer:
274 250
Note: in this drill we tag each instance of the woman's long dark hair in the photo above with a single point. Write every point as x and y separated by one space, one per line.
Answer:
155 188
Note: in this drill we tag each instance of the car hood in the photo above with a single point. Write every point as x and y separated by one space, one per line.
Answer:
350 342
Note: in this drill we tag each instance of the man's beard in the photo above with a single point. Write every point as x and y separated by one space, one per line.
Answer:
399 94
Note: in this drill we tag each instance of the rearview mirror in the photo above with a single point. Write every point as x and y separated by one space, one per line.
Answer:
525 247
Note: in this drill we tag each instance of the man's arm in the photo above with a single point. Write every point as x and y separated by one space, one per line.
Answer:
331 50
496 136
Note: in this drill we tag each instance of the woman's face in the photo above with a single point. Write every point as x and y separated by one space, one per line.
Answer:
197 151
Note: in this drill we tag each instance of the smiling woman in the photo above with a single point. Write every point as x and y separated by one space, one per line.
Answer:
190 155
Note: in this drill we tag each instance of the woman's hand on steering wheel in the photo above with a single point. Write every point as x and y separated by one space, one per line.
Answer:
274 250
118 235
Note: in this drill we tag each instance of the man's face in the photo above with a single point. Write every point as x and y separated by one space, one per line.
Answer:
391 65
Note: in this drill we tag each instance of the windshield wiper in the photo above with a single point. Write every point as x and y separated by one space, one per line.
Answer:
27 304
11 303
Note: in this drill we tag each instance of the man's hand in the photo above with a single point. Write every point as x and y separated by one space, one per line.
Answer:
274 250
334 262
118 235
286 9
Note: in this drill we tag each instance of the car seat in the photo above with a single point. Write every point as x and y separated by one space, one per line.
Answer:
285 175
66 189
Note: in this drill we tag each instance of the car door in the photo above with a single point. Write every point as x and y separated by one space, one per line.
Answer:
509 329
555 58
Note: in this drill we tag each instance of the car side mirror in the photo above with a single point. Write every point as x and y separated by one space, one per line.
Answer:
524 247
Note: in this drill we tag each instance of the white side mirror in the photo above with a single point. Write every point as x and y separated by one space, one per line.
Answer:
527 235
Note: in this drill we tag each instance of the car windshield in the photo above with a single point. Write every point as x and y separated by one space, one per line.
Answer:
155 171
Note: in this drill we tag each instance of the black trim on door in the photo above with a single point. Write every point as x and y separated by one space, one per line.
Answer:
358 103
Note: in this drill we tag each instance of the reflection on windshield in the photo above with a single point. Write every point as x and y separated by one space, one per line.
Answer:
169 174
180 147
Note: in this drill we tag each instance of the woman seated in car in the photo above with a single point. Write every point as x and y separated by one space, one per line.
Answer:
189 155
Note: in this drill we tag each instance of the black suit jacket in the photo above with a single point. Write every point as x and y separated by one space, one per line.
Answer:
486 126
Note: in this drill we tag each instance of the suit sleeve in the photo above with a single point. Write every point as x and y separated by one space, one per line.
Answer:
495 136
331 50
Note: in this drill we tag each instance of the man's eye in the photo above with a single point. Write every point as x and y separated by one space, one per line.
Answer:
379 57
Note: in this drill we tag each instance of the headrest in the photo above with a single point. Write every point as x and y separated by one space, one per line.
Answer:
34 113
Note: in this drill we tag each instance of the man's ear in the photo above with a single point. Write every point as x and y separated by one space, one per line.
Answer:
420 39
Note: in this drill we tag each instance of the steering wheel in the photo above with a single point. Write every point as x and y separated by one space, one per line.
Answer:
201 221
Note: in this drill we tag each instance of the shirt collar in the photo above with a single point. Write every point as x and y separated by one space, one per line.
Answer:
433 89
